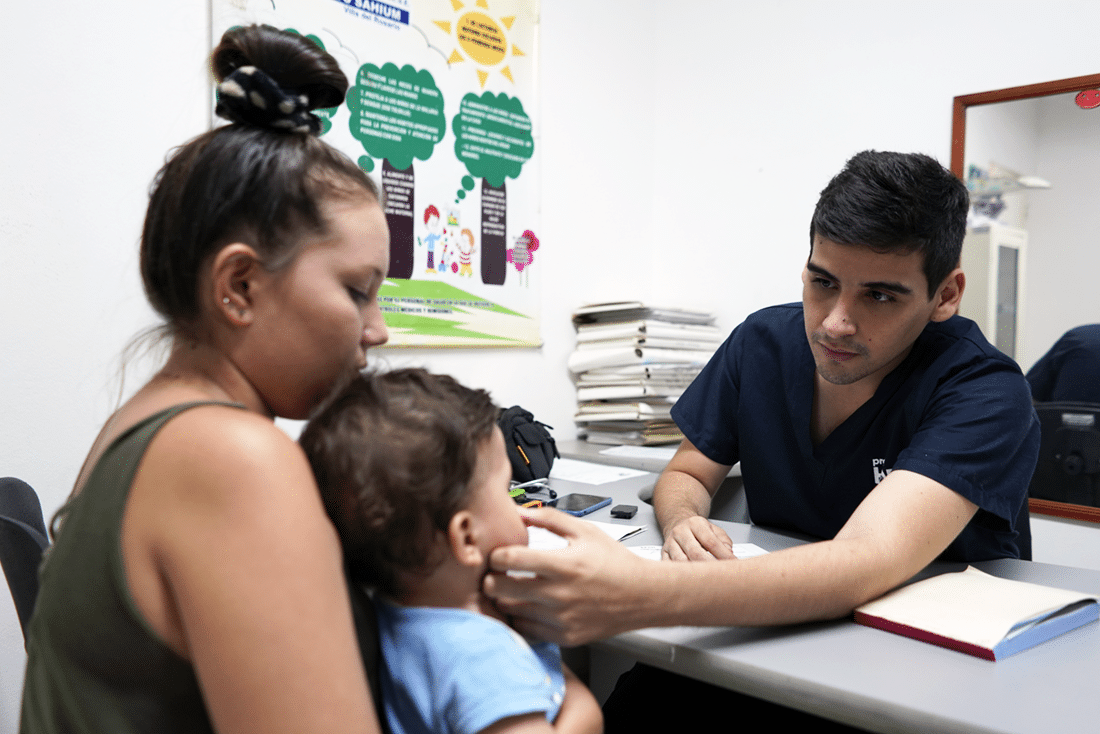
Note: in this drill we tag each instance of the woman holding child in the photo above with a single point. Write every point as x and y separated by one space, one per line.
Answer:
196 583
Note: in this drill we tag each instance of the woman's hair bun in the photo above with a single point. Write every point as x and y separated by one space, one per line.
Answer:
272 78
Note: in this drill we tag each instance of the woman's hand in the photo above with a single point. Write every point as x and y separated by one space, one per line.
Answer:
591 589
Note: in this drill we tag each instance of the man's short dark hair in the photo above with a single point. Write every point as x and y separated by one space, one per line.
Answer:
393 455
896 202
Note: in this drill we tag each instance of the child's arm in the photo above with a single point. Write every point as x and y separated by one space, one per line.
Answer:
532 723
579 714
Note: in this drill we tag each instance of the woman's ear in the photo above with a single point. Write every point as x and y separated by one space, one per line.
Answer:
462 535
233 273
949 295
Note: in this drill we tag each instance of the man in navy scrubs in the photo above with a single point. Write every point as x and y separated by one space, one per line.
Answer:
870 417
870 394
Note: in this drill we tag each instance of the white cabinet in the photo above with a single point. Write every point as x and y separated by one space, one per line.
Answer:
993 258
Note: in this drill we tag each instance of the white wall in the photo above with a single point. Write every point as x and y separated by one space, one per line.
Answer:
683 150
94 95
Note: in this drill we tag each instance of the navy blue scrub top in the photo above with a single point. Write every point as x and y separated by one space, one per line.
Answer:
1070 371
955 410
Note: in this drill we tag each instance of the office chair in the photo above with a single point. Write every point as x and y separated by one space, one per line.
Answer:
22 542
1068 469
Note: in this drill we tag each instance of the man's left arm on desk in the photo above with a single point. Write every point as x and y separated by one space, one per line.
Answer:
682 502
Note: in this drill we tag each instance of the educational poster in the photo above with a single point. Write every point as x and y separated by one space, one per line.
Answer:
442 113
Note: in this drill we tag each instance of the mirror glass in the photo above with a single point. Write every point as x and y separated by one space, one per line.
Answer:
1031 158
1047 140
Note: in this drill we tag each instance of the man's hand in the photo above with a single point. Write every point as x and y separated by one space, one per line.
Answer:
681 501
696 539
588 590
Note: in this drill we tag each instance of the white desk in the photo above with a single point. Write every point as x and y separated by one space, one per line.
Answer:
728 502
870 678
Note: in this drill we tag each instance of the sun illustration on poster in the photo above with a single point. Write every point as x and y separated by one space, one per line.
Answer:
482 39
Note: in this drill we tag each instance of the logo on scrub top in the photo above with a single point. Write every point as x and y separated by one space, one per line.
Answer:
879 470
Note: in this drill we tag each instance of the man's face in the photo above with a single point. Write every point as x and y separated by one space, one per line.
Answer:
863 310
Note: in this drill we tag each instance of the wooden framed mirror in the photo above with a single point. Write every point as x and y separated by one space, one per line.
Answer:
1060 239
1029 91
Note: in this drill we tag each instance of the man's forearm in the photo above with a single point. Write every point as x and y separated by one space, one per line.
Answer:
895 532
678 496
817 581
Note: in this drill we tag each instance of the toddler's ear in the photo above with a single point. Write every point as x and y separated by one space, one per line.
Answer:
462 535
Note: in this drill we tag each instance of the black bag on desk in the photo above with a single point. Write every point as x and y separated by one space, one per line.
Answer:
531 448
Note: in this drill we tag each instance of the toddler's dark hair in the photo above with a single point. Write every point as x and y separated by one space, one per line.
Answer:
393 455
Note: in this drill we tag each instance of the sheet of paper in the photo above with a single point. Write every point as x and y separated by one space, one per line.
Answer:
748 550
660 453
741 550
543 539
585 472
649 552
616 531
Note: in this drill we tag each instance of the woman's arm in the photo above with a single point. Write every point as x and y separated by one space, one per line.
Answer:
231 558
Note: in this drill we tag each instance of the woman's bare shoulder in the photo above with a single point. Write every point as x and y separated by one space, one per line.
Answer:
230 451
215 417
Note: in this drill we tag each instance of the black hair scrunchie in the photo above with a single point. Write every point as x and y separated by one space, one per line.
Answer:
250 96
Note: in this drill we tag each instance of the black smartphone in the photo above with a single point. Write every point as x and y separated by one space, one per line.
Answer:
580 504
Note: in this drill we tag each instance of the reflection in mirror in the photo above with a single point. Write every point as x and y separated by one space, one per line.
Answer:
1031 157
1038 133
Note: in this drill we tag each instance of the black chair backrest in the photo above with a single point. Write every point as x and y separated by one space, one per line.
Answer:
22 542
1068 469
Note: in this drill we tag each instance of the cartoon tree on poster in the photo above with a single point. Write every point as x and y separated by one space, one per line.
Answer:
397 115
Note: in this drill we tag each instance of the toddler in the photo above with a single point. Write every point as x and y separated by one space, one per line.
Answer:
413 472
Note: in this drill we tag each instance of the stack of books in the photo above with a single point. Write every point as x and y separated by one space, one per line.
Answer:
631 363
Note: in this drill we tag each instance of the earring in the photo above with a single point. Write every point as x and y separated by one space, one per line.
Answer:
225 300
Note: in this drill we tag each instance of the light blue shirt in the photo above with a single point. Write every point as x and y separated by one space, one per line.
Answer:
453 671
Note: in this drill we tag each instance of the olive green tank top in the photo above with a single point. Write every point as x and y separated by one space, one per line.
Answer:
93 663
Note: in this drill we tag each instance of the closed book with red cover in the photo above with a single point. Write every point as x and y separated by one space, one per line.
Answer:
979 614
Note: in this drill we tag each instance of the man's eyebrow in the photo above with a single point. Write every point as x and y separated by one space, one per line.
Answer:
820 271
875 285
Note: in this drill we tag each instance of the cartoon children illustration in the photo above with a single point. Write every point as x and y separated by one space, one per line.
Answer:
446 251
466 250
435 232
523 253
